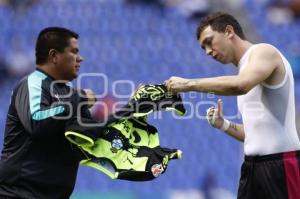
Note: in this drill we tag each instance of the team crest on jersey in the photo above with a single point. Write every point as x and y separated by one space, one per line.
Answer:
116 145
157 170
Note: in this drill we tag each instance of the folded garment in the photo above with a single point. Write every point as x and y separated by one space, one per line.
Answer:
128 147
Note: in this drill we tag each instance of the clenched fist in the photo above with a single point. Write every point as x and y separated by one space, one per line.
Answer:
215 116
90 95
177 84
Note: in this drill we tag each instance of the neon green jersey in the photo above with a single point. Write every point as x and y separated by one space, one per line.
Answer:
128 147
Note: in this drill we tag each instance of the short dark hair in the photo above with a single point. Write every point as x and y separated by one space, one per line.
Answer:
52 38
218 22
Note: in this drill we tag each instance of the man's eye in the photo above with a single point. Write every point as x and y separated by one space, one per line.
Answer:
75 50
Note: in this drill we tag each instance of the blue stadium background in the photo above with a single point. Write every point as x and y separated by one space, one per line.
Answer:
146 44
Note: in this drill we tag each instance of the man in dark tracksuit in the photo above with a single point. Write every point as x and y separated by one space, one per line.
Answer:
37 162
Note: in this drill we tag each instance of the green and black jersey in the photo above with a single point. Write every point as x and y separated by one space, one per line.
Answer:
37 161
128 147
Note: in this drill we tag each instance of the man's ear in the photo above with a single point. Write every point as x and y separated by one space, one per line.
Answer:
229 31
52 56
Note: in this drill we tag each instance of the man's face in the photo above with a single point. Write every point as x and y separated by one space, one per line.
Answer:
69 61
216 44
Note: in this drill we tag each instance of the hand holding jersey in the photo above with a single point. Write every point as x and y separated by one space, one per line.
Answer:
176 84
91 97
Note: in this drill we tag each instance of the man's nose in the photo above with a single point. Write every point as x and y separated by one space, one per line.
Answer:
209 51
80 58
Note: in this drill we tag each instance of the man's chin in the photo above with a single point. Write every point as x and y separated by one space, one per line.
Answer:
75 76
224 61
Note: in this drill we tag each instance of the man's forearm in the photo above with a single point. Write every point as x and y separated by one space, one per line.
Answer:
224 85
236 131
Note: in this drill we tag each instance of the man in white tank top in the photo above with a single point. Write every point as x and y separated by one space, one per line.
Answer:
265 90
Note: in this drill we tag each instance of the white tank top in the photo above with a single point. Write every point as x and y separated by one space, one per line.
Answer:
268 113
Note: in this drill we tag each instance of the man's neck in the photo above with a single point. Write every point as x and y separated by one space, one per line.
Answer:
47 69
240 50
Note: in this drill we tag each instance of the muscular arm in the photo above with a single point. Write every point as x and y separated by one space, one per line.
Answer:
262 63
223 85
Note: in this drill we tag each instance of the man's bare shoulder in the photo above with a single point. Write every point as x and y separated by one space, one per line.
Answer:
264 50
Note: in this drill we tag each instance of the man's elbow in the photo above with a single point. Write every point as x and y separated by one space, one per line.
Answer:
242 88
